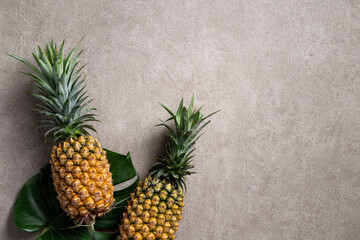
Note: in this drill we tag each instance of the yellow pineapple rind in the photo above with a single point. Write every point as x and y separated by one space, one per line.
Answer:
82 177
153 212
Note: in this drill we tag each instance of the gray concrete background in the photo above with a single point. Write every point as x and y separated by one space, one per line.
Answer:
280 161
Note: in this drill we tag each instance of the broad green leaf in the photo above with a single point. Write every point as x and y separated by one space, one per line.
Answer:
104 236
80 233
31 212
120 166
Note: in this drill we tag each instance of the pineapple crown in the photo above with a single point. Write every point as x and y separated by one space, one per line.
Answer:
176 162
61 92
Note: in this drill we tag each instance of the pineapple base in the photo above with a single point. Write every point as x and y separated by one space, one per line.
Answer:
154 211
82 178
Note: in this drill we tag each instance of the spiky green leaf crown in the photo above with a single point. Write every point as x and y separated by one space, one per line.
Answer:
175 163
61 92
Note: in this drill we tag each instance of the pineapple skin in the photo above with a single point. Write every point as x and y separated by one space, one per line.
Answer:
82 177
153 212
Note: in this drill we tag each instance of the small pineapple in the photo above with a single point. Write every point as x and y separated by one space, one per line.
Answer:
80 169
155 208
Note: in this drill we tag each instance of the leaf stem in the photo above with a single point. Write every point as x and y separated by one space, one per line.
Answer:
91 231
50 225
44 231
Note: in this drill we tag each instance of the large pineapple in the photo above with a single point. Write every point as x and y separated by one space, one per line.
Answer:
80 169
155 208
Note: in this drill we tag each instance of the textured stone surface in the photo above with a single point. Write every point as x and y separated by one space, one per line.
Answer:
280 161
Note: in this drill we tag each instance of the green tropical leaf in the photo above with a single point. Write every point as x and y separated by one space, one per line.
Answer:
30 213
80 233
120 166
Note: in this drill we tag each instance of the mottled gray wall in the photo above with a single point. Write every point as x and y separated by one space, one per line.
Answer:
280 161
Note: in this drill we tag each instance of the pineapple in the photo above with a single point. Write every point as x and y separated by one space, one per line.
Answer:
155 208
80 169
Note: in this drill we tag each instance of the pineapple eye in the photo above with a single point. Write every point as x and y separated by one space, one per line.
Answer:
174 193
138 223
145 216
89 203
62 185
81 140
126 223
70 152
62 158
99 178
164 236
91 157
151 236
147 204
77 146
138 190
90 184
132 216
90 145
84 152
57 166
158 231
100 205
170 202
142 197
71 209
96 151
84 165
163 194
83 192
153 211
83 211
62 172
158 187
168 215
161 219
76 183
58 151
65 145
171 231
92 172
150 192
139 209
155 200
168 187
76 201
175 207
69 165
178 213
97 195
138 236
162 207
69 192
153 222
145 230
64 201
76 170
166 226
108 197
69 179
